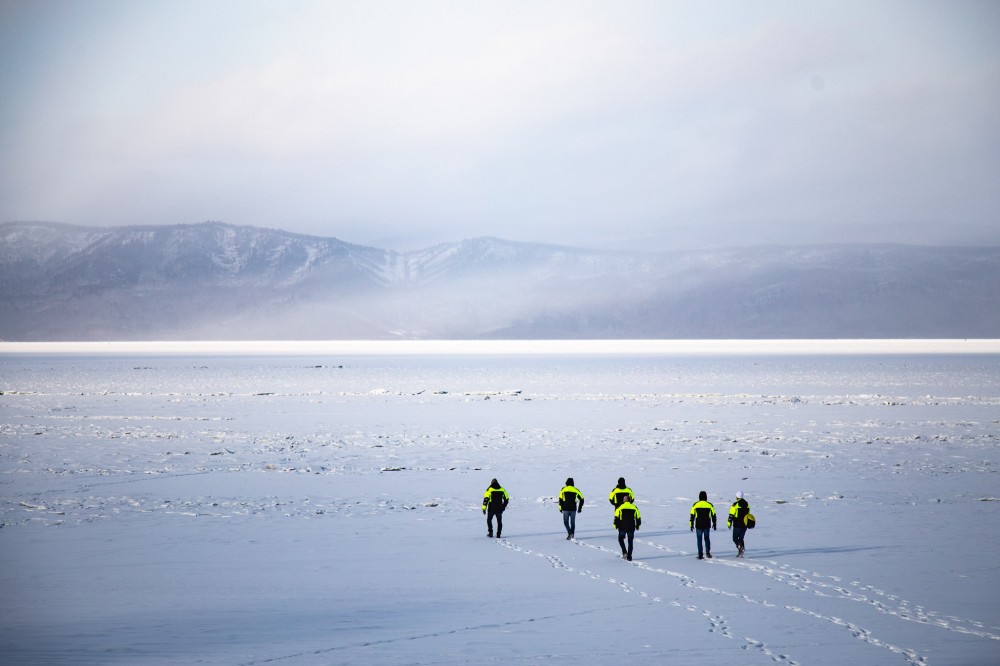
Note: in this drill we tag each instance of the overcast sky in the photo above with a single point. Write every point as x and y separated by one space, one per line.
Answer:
599 124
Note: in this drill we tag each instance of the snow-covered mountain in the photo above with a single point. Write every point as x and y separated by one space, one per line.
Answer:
217 281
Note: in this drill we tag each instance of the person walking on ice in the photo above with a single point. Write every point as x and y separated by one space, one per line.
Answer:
620 494
738 522
569 497
627 520
703 518
495 500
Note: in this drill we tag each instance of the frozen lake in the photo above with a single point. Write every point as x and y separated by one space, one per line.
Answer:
312 504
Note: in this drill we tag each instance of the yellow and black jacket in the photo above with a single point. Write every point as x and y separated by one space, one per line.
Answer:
568 497
738 512
620 495
627 517
495 499
703 515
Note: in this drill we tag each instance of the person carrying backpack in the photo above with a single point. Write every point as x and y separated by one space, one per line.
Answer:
569 496
737 521
495 500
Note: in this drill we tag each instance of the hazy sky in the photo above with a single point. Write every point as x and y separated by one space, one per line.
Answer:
601 124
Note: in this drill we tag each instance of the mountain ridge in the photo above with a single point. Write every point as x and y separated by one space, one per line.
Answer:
216 281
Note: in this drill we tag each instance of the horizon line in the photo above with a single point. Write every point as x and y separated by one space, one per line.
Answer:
687 347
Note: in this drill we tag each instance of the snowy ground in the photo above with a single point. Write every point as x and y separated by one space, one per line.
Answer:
206 508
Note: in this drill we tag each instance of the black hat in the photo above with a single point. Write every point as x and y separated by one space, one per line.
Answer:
569 481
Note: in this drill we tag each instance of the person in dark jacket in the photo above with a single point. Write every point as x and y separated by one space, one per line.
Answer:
737 520
620 494
569 499
495 500
703 518
627 520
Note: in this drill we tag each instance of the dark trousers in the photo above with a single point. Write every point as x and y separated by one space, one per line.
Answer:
489 520
622 535
704 533
738 534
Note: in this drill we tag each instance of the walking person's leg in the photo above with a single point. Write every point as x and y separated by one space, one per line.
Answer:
621 542
738 534
631 540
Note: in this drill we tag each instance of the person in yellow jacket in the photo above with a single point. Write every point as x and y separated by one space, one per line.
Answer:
620 493
703 518
737 521
627 520
495 500
569 499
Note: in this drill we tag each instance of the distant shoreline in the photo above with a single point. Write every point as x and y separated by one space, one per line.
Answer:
516 347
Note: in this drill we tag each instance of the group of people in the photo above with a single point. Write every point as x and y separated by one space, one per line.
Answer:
703 518
627 519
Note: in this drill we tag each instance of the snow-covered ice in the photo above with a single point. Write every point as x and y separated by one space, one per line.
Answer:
225 506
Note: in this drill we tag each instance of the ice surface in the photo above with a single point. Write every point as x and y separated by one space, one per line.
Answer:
229 507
